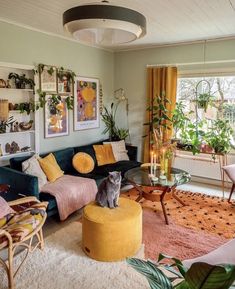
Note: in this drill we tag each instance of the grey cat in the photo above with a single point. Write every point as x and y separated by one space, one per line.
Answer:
109 190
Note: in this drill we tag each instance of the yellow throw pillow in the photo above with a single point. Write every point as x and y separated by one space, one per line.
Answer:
104 154
83 163
50 167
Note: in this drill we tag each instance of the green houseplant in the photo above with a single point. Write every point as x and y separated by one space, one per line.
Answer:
203 100
198 276
109 118
220 136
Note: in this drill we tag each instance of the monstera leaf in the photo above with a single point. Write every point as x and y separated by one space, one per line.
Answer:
155 277
205 276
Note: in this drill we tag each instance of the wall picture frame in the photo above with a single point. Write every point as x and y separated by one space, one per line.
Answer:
56 116
48 79
86 103
65 82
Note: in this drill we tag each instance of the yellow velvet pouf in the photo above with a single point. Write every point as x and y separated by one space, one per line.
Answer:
112 234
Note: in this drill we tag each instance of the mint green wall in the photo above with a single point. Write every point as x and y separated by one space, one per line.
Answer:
23 46
130 72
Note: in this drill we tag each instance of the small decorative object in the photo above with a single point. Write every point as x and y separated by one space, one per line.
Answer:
14 147
16 79
8 84
16 127
11 126
26 125
65 79
7 148
86 103
56 116
25 149
48 77
5 124
2 83
11 106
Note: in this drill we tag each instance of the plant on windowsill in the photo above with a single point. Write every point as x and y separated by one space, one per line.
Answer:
220 136
198 276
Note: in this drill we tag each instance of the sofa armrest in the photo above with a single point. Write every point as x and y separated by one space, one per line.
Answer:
132 152
20 183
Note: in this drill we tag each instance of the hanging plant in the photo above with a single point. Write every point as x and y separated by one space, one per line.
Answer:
203 100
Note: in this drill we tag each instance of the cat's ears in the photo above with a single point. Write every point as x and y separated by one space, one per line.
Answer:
114 173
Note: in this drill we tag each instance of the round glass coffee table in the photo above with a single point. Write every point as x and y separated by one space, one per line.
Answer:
156 189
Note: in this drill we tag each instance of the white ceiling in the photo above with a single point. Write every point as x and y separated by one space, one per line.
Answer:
168 21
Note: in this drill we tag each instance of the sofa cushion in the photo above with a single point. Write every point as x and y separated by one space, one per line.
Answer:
122 166
83 163
104 154
86 149
32 167
50 167
64 159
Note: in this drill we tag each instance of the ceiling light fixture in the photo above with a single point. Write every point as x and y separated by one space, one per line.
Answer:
103 24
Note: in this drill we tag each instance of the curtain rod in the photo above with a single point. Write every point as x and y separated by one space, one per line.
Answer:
191 63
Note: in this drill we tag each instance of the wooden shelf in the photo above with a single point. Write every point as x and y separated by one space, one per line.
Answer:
17 132
7 156
17 89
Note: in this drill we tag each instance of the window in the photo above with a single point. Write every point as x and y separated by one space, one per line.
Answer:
221 104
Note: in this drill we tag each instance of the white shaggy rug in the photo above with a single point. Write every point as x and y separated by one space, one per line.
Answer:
63 265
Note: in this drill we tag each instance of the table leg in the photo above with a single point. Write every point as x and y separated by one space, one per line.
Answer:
177 198
140 191
163 205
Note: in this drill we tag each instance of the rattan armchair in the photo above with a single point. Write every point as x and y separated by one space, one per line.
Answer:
26 242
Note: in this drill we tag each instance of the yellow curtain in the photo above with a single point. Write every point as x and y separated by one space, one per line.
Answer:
161 81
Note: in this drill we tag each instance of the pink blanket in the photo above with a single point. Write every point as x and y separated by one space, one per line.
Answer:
71 193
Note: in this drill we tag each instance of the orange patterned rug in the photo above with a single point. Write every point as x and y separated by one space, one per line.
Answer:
202 213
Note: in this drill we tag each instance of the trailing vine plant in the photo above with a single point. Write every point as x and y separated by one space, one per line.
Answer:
56 98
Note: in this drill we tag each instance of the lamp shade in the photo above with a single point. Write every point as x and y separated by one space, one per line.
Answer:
103 24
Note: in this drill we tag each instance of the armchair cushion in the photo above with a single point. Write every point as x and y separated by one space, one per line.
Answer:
20 225
5 209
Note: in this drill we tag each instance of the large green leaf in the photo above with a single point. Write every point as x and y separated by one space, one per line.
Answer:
155 277
176 263
205 276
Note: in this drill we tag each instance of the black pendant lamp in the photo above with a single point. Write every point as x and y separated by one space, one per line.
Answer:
103 24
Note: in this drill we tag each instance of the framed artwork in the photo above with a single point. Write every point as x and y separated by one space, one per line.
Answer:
56 116
65 83
48 79
86 103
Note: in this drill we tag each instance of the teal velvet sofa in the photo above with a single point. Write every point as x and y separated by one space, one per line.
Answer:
27 185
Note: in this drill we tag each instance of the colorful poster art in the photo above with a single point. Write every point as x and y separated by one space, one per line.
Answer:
86 103
56 117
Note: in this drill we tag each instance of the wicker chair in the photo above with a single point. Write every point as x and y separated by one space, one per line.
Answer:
26 242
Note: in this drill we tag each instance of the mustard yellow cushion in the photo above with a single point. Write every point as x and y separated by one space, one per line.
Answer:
112 234
83 163
104 154
50 167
